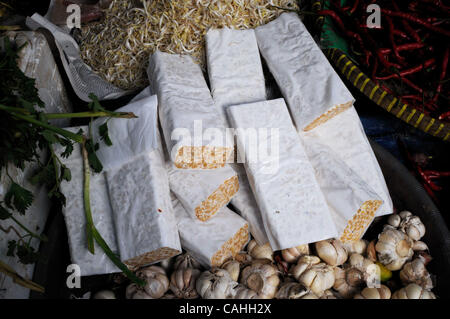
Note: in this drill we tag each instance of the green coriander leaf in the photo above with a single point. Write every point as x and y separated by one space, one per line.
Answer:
68 144
94 162
65 173
4 213
50 136
11 248
19 198
95 105
26 254
103 131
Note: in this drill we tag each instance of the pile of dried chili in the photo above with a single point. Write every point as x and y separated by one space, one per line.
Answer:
407 54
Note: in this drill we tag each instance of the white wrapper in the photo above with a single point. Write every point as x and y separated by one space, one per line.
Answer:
186 110
352 202
75 217
143 215
293 208
203 193
246 205
234 67
213 241
236 77
130 137
138 186
312 89
345 136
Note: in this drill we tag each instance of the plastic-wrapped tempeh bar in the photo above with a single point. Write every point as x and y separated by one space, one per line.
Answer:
292 205
236 76
344 135
143 214
203 193
138 186
245 204
214 241
75 217
193 128
353 204
234 67
312 89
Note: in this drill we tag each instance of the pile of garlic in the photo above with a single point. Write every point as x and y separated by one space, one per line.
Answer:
327 269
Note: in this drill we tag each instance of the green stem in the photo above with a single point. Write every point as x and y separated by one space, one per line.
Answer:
76 137
87 201
50 116
18 279
92 231
27 230
124 115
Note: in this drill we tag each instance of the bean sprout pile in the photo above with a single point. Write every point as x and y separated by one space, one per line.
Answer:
118 47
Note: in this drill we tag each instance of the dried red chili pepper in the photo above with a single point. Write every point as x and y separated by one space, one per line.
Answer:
409 71
444 116
417 20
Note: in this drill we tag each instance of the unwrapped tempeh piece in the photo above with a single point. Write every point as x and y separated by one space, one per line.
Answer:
193 127
312 89
352 202
203 193
75 217
292 205
236 76
214 241
344 134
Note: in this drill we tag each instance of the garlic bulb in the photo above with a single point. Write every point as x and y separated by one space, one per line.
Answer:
331 251
313 274
291 290
347 282
260 252
382 292
291 255
186 261
242 292
394 248
135 292
233 267
157 282
411 225
358 246
261 277
215 284
182 283
243 258
415 272
413 291
104 294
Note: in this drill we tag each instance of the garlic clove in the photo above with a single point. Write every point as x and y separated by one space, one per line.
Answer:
394 220
371 252
383 292
291 255
420 246
233 267
331 251
358 246
260 252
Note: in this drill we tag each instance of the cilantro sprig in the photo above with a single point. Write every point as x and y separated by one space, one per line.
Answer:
26 133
